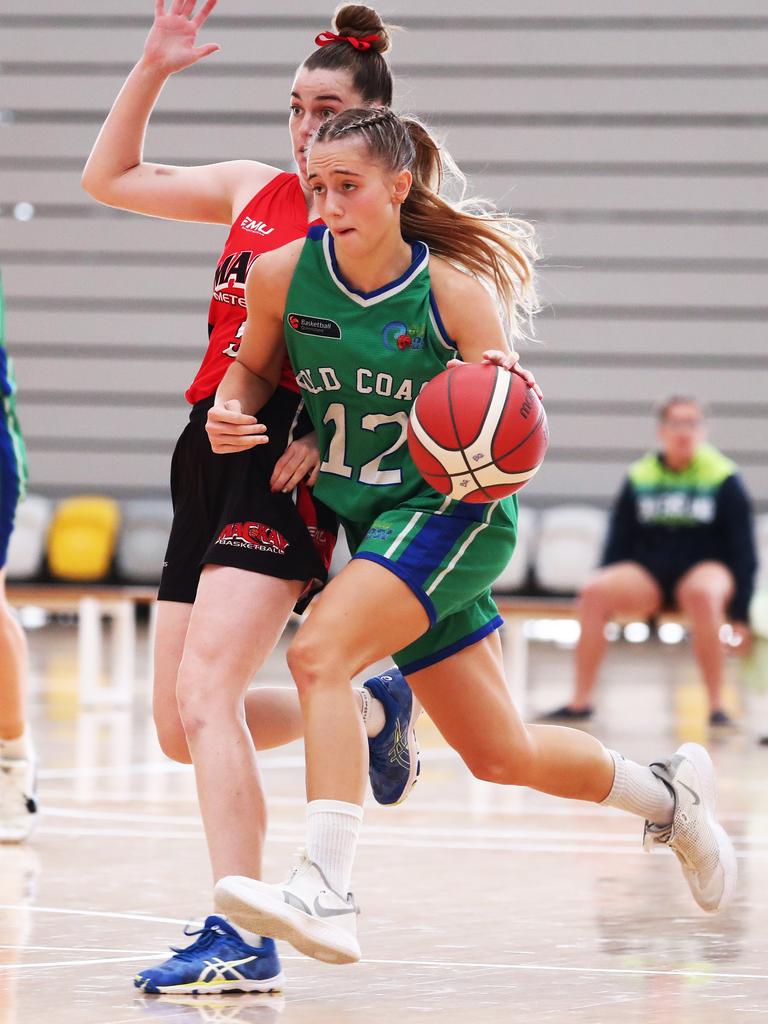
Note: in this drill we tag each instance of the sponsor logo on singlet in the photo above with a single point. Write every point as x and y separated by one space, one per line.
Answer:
317 326
398 336
254 536
230 278
257 226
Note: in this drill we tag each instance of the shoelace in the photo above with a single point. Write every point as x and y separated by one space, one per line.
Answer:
207 938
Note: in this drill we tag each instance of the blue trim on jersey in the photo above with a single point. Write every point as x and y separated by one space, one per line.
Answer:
442 334
10 488
316 232
397 569
446 652
432 544
7 383
419 251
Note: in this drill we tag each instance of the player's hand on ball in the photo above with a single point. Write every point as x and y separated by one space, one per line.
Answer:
231 430
170 45
300 461
509 361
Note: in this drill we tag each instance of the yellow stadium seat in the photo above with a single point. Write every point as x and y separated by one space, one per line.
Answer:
82 538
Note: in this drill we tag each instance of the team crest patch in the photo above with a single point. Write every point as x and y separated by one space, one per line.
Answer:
255 536
398 336
317 326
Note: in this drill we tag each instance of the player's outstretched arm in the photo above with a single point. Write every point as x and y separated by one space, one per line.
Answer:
250 382
116 173
472 319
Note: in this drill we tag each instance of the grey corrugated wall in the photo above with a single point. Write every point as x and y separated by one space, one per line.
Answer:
634 134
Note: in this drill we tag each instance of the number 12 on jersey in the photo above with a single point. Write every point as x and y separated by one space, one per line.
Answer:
369 473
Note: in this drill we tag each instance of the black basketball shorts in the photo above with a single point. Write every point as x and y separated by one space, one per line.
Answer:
224 512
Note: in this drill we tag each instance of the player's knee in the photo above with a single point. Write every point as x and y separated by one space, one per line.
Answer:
594 598
173 740
700 601
307 659
501 769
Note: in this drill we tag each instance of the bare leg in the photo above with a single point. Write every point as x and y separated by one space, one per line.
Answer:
703 594
13 670
622 589
334 643
230 634
273 713
467 698
172 625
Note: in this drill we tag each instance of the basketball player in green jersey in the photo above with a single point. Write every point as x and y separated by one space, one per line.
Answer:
18 806
368 314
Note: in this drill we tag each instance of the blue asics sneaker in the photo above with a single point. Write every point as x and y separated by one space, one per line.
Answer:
394 763
217 961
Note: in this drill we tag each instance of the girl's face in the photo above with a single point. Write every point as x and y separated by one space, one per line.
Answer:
355 195
316 96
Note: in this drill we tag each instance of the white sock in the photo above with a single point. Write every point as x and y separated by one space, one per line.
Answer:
19 748
250 938
372 712
332 830
637 790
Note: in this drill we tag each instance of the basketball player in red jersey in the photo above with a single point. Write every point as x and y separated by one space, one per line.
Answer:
260 551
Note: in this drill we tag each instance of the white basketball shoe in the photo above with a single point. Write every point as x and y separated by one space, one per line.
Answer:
18 805
304 911
695 836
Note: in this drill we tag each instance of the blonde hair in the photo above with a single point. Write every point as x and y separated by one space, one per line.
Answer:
469 233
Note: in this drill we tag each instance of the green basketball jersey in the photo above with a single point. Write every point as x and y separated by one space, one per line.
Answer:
360 361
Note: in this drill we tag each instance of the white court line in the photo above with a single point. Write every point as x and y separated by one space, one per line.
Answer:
76 949
555 808
31 908
78 963
452 965
392 831
445 965
433 964
297 838
421 839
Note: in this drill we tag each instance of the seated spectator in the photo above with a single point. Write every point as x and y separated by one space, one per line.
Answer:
680 538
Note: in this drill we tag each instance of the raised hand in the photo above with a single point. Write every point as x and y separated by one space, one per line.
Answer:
170 45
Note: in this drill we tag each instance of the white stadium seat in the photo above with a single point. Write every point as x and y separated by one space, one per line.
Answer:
569 546
143 539
27 548
518 569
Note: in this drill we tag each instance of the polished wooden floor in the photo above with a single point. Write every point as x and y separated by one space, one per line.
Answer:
480 904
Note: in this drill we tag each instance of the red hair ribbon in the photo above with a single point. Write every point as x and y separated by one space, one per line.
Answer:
359 42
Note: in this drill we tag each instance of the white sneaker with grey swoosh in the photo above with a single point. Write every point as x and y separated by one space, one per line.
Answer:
304 911
695 836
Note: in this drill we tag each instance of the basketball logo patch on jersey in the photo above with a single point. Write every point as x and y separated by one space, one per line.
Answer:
317 326
398 336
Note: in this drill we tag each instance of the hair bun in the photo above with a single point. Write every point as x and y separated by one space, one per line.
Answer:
358 20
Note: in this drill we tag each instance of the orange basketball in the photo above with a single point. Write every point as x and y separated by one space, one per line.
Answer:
477 432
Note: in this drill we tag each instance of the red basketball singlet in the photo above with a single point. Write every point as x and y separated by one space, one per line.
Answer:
275 216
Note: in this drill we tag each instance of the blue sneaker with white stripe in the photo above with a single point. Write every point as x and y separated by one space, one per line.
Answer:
219 960
394 763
